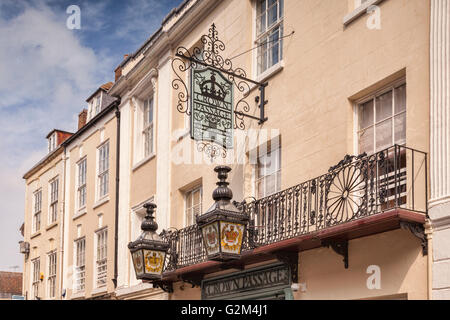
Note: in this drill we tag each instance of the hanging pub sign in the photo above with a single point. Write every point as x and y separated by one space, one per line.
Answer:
212 117
217 97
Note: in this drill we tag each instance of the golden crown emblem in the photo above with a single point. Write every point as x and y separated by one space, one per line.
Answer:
231 235
154 260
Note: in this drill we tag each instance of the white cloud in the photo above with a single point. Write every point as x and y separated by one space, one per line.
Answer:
45 76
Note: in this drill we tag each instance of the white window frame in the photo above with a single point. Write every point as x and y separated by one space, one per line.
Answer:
81 185
51 279
97 104
35 277
80 265
37 210
148 110
268 31
52 142
53 200
189 208
276 173
103 170
390 88
101 258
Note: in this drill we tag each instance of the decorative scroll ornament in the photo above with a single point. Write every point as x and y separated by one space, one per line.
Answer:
216 99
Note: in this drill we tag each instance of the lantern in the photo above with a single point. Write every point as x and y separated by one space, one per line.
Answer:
223 226
149 250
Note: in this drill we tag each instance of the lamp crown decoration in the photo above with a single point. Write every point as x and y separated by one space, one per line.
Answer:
149 223
222 192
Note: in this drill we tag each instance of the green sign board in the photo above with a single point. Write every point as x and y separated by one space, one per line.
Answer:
212 113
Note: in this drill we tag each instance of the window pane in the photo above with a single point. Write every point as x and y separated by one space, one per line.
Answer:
272 13
366 114
274 52
260 188
384 106
384 134
197 197
400 129
270 184
400 99
366 141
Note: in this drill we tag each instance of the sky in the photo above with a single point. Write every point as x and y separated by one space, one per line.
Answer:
46 73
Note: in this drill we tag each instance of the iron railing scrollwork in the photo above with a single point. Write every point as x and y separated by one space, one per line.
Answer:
357 187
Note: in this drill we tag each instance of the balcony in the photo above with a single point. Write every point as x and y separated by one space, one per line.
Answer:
360 196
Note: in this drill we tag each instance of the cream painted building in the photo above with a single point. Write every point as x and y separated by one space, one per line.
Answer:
346 77
43 227
89 265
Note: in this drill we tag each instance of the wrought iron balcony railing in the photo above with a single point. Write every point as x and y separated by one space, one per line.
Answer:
357 187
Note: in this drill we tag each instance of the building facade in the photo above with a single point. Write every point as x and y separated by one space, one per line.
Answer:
90 205
335 79
43 228
343 78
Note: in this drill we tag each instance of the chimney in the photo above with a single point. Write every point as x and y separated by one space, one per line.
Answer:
82 117
118 73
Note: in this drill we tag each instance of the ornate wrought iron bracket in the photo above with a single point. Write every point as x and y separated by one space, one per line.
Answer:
338 246
291 259
164 286
209 55
261 99
418 231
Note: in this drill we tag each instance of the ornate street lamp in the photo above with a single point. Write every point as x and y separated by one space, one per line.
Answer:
149 250
223 226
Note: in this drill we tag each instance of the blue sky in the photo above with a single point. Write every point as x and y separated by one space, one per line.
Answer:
46 73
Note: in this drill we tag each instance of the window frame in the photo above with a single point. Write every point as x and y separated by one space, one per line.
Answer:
261 36
276 173
37 210
103 170
97 104
148 126
80 265
53 201
36 275
101 261
81 185
52 142
391 87
192 206
51 279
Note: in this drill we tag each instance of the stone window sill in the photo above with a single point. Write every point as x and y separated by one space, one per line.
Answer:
51 226
80 213
78 295
360 11
36 234
143 161
99 291
101 201
273 70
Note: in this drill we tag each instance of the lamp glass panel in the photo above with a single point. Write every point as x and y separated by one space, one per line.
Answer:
138 262
211 238
231 237
154 261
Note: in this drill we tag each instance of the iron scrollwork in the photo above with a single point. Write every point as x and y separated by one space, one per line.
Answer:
209 55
